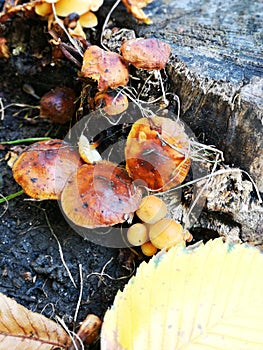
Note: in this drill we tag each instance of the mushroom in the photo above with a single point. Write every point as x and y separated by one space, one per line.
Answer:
137 234
166 233
148 249
44 167
58 105
87 151
65 7
107 68
112 102
135 8
151 209
146 54
157 152
99 195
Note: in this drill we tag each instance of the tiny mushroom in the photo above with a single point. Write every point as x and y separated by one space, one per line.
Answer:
58 105
148 249
65 8
107 68
166 233
44 167
137 234
112 102
151 209
87 151
157 152
99 195
135 8
146 54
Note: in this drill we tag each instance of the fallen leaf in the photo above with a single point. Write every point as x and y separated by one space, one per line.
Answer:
21 329
209 297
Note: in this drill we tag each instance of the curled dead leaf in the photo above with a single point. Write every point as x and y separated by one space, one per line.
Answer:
22 329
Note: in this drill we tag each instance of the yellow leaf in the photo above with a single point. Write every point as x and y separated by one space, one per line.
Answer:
209 297
21 329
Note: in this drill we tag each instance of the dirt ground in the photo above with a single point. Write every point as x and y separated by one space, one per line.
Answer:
31 263
31 267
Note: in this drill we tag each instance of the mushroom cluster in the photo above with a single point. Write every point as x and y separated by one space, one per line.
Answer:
77 14
92 195
155 231
111 70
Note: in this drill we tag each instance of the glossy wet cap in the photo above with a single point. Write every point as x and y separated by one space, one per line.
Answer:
99 195
44 167
157 152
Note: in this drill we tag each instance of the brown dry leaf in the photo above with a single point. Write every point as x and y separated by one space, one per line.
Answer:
107 68
22 329
135 8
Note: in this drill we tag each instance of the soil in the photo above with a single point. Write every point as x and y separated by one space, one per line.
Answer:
31 266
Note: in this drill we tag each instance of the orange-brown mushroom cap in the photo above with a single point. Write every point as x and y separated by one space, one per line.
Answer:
135 8
157 152
112 102
107 68
99 195
146 53
44 167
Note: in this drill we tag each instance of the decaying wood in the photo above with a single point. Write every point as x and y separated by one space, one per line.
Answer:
217 71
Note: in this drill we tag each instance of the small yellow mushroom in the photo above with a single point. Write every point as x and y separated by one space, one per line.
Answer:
148 249
166 233
137 234
151 209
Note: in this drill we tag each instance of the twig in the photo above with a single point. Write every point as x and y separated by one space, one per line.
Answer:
71 334
80 293
101 274
2 109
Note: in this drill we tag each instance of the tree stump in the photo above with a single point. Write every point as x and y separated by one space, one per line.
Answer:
217 72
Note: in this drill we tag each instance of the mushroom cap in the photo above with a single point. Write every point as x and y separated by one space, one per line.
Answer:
99 195
88 20
151 209
135 8
65 7
58 105
44 167
112 102
146 53
107 68
166 233
157 152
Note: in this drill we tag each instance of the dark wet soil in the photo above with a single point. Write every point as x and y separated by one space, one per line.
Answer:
31 267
